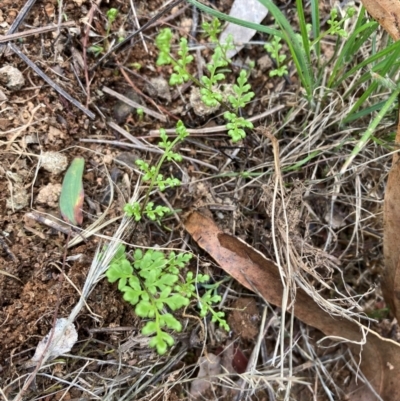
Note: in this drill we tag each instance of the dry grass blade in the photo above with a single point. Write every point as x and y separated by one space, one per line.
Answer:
221 128
9 275
146 147
35 31
134 104
260 274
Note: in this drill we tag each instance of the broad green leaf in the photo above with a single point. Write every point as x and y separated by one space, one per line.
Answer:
119 269
134 282
131 295
71 199
144 309
166 280
176 301
169 320
149 328
159 343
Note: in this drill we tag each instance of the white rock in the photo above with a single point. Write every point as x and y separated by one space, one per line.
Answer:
54 162
11 77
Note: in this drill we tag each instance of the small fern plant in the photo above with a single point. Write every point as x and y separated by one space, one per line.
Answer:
152 283
152 175
219 63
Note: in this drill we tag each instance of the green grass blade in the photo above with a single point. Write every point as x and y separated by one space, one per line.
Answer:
365 32
303 30
286 33
395 47
369 132
226 17
316 27
296 48
302 162
374 74
386 67
71 199
353 43
365 112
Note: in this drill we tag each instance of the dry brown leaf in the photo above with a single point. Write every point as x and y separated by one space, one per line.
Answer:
387 13
380 358
391 239
210 367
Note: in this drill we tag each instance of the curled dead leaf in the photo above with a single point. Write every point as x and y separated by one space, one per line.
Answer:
387 13
210 366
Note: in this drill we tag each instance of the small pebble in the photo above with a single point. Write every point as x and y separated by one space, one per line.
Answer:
128 158
54 162
11 77
18 199
122 110
265 63
159 87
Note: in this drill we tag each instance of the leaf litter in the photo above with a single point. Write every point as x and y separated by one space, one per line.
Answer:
259 274
27 307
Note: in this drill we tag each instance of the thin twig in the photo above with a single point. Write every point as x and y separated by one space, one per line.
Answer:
285 296
134 104
220 128
60 16
35 31
138 25
123 72
166 201
46 78
125 133
17 22
147 149
50 223
6 248
21 16
85 46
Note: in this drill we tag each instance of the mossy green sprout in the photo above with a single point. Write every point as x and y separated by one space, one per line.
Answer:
212 29
209 95
98 49
112 14
163 44
153 284
140 113
336 25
